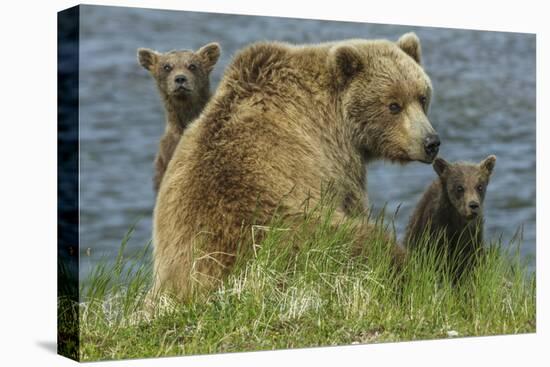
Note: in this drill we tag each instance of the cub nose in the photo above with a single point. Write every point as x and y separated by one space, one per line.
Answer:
180 79
431 145
474 206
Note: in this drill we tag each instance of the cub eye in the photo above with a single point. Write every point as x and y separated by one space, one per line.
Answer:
192 67
460 189
395 108
479 188
167 67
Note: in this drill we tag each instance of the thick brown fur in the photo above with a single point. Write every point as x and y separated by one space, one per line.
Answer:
184 101
285 123
445 213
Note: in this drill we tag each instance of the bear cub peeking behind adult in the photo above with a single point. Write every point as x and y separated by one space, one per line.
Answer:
183 82
451 212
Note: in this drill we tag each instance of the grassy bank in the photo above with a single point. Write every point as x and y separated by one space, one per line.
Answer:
304 289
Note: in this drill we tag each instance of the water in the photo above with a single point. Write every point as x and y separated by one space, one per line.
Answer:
484 103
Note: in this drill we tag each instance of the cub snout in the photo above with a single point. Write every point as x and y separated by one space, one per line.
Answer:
180 79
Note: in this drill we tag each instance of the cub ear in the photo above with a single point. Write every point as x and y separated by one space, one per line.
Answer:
209 55
488 164
440 166
410 43
347 62
147 57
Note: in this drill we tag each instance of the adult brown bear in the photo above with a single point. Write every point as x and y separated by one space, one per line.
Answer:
286 121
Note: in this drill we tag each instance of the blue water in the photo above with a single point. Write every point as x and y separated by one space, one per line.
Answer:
484 103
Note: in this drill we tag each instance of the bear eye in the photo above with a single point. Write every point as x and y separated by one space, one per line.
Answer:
167 67
423 101
460 189
192 67
480 188
395 108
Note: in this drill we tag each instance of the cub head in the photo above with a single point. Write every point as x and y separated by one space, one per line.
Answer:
181 74
385 95
465 184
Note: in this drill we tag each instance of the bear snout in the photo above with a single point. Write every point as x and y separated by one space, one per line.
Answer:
431 145
181 84
180 79
474 208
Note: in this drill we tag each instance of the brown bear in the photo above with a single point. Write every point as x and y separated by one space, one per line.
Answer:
183 82
285 122
449 215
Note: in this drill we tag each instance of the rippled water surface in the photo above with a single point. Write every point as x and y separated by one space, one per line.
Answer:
484 103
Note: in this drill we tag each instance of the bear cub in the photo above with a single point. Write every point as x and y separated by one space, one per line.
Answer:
451 212
183 82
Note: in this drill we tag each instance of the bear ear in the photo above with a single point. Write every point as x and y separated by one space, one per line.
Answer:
147 57
440 166
410 43
209 55
347 62
488 164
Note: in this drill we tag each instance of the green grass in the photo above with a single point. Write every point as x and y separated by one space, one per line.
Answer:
303 288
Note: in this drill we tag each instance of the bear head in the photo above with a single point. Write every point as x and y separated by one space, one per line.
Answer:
180 74
465 184
384 95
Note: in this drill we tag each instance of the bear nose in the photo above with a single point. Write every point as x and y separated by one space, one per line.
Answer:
474 206
431 145
180 79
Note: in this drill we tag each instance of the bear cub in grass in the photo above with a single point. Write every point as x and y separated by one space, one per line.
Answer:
451 211
183 82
